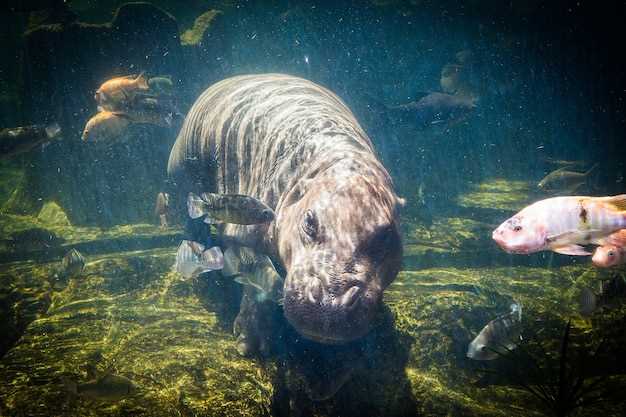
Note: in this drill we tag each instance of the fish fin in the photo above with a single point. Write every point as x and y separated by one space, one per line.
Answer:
122 115
210 220
212 259
142 81
245 279
186 263
618 202
231 263
590 170
575 250
418 95
195 206
53 130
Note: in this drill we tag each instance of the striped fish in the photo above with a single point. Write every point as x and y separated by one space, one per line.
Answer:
497 337
562 225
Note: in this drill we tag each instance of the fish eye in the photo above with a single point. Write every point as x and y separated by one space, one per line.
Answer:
517 228
310 225
610 253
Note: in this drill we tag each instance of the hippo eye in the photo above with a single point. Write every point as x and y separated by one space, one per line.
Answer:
310 224
517 228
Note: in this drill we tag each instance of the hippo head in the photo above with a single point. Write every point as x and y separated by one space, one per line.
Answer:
341 248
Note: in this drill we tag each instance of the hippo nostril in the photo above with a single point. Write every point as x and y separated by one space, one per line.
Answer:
351 296
314 292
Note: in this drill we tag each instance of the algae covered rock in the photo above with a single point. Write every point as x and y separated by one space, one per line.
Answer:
51 213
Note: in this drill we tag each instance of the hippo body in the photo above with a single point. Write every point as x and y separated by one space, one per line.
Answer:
296 146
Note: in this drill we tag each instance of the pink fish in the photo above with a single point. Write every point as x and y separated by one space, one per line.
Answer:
612 250
562 225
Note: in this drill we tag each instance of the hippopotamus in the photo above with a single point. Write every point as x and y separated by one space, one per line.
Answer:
295 146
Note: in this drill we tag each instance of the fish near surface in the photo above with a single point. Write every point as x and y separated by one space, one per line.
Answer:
335 234
116 94
17 140
564 180
106 126
562 225
499 336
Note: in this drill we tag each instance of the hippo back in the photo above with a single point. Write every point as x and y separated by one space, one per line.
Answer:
252 135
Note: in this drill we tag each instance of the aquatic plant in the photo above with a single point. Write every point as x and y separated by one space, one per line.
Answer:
566 384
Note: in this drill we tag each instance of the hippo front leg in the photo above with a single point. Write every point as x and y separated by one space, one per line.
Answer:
253 326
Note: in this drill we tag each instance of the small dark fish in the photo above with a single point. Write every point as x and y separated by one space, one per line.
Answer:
193 259
564 181
19 140
35 238
106 388
155 110
610 293
161 208
433 109
498 336
229 208
73 263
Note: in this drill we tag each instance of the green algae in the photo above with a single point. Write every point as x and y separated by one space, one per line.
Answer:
130 315
194 35
498 194
153 331
52 214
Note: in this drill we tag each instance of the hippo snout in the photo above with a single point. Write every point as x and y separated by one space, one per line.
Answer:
332 314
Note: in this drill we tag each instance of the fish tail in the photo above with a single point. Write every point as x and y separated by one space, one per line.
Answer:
594 166
196 207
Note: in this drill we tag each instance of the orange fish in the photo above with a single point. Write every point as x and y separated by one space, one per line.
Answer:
562 225
117 93
105 125
612 251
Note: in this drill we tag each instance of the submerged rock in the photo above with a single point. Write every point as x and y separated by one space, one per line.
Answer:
51 213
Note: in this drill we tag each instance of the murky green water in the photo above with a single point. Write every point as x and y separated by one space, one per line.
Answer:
128 314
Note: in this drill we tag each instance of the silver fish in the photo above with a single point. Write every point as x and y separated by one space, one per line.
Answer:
106 388
228 208
498 336
564 180
255 270
193 259
610 292
19 140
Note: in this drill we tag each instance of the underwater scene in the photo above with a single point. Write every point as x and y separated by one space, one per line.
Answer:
312 208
